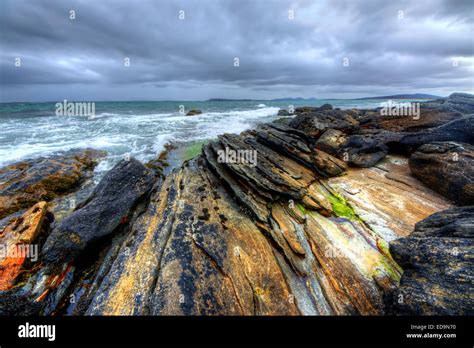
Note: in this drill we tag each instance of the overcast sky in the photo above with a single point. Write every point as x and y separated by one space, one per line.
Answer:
284 48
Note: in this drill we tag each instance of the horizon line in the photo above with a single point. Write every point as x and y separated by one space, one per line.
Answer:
217 99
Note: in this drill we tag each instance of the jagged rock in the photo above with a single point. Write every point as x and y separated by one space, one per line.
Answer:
454 222
193 112
328 165
159 164
448 168
364 151
109 206
325 107
280 233
432 114
456 102
314 123
283 112
17 244
174 243
331 141
26 183
211 258
207 258
370 145
460 130
387 197
107 211
63 206
437 258
428 118
303 109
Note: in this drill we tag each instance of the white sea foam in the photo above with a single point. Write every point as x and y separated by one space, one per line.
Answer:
143 136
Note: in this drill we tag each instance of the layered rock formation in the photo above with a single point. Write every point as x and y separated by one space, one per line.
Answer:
293 217
17 242
447 167
438 275
26 183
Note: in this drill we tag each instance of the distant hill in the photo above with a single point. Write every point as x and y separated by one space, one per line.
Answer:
276 99
293 99
224 99
405 96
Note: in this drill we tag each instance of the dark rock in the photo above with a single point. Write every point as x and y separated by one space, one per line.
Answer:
328 165
456 102
428 118
178 264
438 276
455 222
446 167
325 107
363 151
314 123
193 112
17 301
26 183
431 114
286 142
331 141
109 206
303 109
283 112
459 130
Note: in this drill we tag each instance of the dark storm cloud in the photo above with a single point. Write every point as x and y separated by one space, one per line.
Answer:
399 46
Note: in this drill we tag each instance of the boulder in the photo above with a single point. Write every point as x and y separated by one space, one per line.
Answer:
446 167
325 107
193 112
459 130
363 150
438 276
26 183
330 141
328 165
432 114
109 205
283 112
457 102
314 123
303 109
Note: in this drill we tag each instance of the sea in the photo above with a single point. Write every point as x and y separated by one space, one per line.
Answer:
136 128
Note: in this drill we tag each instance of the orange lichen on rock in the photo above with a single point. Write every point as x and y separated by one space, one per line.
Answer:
16 243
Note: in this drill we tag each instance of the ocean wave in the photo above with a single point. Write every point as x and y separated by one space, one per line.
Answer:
141 135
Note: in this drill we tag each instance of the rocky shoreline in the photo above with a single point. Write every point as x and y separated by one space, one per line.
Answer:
343 212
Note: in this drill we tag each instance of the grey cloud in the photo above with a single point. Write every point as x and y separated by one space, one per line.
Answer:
278 56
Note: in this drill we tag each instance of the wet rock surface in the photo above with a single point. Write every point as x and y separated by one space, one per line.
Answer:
447 167
17 242
314 123
438 275
25 183
193 112
456 102
292 217
459 130
107 207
